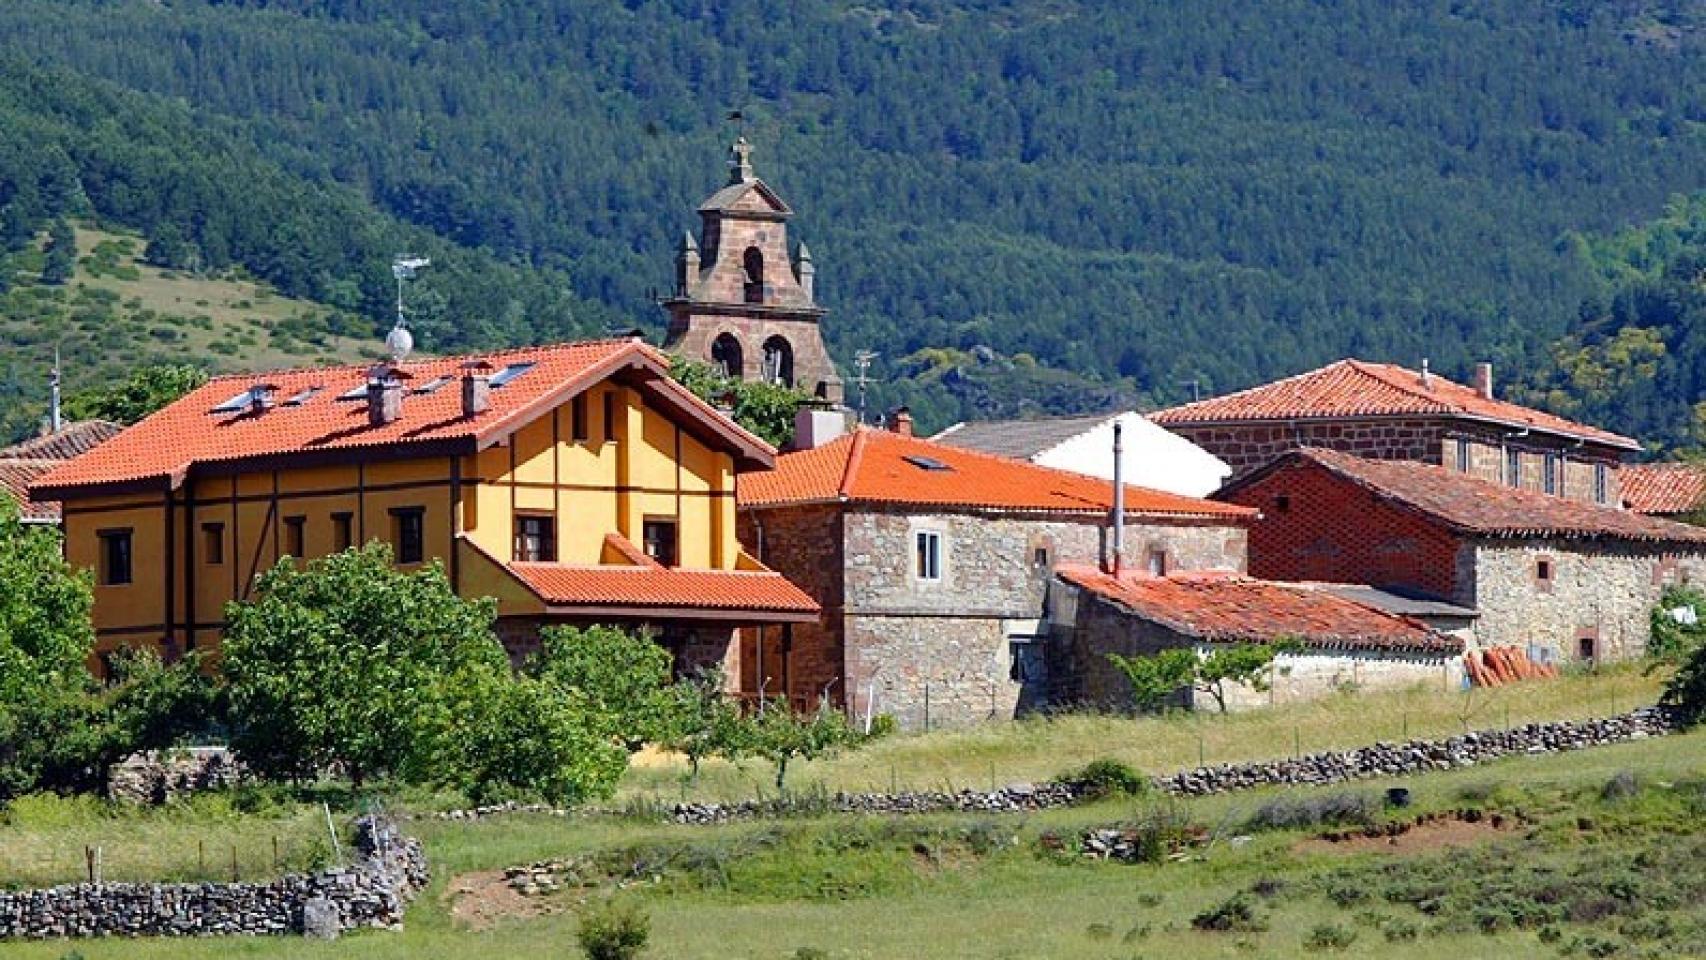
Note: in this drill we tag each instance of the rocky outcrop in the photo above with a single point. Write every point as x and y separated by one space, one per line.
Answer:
373 892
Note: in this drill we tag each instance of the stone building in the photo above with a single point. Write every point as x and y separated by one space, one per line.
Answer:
740 302
1567 580
1670 490
1345 644
931 564
23 463
1153 456
1386 412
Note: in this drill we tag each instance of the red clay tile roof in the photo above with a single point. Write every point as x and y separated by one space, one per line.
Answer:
1472 505
73 439
16 475
1228 608
1662 488
660 589
1353 389
161 450
880 466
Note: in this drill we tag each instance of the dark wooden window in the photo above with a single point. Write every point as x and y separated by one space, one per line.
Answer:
536 538
409 533
296 536
1513 467
1601 483
1551 473
659 539
343 531
115 557
578 429
610 415
1585 648
1462 455
213 543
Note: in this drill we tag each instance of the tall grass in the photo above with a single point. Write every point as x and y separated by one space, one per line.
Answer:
1038 748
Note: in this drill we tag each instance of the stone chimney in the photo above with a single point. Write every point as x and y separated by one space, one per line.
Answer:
384 396
900 422
1484 380
476 387
816 426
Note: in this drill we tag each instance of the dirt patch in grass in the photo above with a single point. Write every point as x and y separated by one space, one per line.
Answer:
480 900
1420 836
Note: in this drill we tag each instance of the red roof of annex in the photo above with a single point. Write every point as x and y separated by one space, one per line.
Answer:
1230 608
880 466
1473 505
309 418
1352 389
1662 488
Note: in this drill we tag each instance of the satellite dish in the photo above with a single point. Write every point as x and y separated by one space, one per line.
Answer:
399 343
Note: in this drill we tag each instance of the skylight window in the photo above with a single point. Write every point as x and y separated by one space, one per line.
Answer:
432 385
303 397
239 402
510 373
926 463
359 393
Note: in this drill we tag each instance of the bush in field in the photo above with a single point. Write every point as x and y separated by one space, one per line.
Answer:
1157 677
1237 914
614 933
621 678
529 738
1106 777
1686 691
702 721
1673 641
1286 813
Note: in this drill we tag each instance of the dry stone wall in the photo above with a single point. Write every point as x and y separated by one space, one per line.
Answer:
162 776
372 892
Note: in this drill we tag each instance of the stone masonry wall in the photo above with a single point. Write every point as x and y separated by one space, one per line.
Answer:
805 545
373 892
1598 592
904 635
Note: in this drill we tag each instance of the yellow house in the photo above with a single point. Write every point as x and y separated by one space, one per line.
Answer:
574 483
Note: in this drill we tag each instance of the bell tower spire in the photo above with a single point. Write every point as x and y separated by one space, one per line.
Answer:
740 300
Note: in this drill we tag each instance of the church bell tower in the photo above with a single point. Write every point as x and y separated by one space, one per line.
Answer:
740 302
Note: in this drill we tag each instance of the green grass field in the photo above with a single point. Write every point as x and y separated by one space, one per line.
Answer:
1629 880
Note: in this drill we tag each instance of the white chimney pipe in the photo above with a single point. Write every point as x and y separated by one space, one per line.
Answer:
1119 499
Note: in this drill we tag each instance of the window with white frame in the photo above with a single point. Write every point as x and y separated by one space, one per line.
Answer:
929 560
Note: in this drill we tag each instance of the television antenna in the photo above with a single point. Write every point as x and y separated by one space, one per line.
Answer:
1195 383
400 342
862 362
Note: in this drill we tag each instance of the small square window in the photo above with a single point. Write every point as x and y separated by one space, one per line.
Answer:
343 531
296 536
1039 556
1585 648
213 543
1157 562
1543 571
929 555
115 557
409 533
1282 504
536 538
659 541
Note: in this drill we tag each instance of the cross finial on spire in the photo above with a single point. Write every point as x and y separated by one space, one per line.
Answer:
740 161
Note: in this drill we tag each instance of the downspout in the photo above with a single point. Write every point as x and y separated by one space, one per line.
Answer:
1119 500
758 677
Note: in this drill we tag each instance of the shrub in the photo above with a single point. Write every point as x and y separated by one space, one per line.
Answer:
1287 813
1236 914
1672 641
1328 936
1622 785
1686 691
1106 777
614 933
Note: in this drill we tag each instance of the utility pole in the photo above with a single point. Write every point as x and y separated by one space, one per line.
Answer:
55 422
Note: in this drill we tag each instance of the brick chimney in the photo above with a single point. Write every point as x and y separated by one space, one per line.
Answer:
1484 380
384 395
260 397
900 422
476 387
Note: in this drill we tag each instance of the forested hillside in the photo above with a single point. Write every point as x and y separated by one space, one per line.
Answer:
1112 197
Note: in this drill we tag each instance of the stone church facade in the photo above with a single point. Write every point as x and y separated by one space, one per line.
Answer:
741 302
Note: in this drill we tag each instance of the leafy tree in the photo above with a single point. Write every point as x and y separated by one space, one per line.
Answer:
61 261
45 631
527 736
765 409
1157 677
622 678
347 661
168 248
146 390
781 736
1673 640
1686 690
704 721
